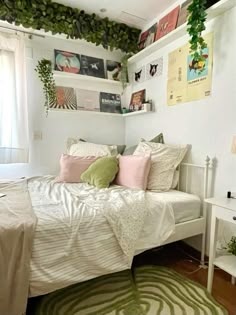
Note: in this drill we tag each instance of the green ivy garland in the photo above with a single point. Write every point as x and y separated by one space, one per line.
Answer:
196 25
44 70
75 23
231 246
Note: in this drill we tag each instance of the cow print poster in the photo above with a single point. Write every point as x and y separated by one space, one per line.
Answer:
154 68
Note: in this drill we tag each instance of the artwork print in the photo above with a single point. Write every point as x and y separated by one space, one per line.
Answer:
92 66
65 99
139 75
87 100
137 99
110 102
113 70
66 61
167 23
154 68
147 37
197 69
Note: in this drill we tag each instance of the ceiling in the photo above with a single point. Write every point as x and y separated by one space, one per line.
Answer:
132 12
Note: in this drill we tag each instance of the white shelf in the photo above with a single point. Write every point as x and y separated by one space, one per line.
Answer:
227 263
140 112
215 10
74 76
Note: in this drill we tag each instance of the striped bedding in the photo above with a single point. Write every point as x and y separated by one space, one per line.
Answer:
83 232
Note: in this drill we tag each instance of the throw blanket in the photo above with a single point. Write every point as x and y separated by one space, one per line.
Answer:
17 223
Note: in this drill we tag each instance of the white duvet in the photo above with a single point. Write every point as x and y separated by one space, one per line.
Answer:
83 232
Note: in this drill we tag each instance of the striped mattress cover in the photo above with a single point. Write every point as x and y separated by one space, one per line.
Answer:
83 232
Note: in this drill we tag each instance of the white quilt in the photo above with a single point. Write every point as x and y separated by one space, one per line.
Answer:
84 232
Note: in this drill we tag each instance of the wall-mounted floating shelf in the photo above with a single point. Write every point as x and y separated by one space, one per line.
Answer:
139 112
215 10
73 76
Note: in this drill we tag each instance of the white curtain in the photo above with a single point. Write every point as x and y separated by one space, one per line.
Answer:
13 101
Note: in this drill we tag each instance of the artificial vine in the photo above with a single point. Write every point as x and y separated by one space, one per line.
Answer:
75 23
124 77
196 25
44 70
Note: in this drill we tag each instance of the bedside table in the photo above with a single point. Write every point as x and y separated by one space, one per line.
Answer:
222 209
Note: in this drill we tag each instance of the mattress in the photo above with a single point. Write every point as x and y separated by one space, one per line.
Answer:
185 207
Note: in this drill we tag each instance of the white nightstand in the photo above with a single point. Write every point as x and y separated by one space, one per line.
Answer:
222 209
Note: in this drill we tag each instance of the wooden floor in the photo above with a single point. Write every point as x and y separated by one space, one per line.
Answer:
186 261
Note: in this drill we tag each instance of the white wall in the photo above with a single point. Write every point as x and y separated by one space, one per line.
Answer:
208 125
45 153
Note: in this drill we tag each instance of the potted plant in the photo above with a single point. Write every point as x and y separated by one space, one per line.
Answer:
196 25
44 70
231 246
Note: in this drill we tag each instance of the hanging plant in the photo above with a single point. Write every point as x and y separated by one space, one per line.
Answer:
231 246
75 23
196 25
124 77
44 70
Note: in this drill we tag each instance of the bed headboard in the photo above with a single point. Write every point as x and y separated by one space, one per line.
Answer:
194 178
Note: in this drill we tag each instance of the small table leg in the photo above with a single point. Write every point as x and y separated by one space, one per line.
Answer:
213 239
233 280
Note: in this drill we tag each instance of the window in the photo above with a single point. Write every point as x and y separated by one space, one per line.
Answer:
13 101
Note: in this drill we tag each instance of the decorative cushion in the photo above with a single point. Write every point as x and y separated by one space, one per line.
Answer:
175 180
73 166
158 139
102 172
133 171
164 161
92 149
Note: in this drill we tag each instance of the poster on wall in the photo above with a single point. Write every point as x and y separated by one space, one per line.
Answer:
110 102
189 80
66 61
65 99
113 69
154 68
87 100
139 75
92 66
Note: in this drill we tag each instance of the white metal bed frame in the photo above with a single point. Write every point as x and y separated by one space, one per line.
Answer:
197 226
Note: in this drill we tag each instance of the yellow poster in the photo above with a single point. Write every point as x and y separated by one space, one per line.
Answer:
185 82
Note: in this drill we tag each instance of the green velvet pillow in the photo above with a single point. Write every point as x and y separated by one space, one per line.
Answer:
101 173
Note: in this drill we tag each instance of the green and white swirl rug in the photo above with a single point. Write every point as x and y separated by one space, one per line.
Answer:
151 290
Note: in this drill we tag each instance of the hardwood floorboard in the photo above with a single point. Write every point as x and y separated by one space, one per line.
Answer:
186 261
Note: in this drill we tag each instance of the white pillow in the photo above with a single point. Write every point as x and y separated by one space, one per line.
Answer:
92 149
175 180
164 161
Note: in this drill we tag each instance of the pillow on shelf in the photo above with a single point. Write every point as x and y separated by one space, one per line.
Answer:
71 167
133 171
92 149
158 139
164 161
102 172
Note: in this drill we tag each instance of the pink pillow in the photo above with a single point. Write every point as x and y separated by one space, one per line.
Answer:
73 166
133 171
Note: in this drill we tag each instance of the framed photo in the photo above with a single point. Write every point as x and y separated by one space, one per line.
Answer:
66 61
65 99
147 37
92 66
113 70
137 99
110 102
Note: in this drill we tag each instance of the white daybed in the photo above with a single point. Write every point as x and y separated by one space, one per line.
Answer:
71 247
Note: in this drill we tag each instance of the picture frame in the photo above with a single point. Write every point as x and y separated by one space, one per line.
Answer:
147 37
136 101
